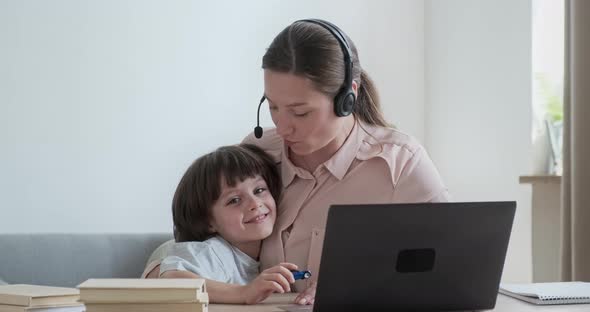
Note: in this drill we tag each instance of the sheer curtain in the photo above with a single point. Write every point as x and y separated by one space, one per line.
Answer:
575 238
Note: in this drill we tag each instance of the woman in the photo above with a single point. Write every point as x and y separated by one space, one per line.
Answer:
330 155
332 143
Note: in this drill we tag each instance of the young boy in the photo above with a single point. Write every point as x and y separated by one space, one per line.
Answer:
224 206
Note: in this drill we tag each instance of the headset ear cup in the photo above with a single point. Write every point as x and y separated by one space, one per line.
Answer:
338 105
349 102
344 104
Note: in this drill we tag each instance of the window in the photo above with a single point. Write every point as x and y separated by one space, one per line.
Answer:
548 64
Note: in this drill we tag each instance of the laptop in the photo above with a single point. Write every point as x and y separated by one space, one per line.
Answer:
413 257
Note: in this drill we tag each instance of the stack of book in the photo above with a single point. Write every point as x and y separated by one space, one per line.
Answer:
36 298
146 295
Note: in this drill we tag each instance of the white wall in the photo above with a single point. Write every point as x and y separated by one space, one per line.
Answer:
478 107
103 104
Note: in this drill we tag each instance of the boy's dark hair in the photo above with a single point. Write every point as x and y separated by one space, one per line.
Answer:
201 186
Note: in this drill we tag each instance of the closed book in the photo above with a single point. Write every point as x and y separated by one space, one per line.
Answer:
60 308
37 295
143 290
147 307
549 293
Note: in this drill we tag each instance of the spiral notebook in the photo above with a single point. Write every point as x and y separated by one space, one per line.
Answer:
549 293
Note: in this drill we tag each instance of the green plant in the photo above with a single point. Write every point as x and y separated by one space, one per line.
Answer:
552 99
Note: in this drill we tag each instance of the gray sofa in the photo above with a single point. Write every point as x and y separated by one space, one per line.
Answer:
69 259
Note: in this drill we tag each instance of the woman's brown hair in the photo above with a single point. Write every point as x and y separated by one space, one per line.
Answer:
311 51
202 184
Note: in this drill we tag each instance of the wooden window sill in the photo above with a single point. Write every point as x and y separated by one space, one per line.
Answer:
546 179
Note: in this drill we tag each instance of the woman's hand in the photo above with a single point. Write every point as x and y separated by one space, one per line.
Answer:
276 279
308 295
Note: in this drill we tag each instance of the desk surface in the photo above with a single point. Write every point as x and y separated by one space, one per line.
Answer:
503 304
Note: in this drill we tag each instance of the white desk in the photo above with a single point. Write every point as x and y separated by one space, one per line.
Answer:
503 304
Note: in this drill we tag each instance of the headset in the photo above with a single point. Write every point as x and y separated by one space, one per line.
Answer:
345 99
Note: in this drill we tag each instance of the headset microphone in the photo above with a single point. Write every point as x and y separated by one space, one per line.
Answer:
258 128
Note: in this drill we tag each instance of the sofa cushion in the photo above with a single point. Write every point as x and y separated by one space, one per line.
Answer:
69 259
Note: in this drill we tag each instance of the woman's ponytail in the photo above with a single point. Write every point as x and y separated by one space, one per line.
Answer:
368 107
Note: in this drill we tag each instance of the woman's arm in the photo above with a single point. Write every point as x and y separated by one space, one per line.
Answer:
419 181
152 269
154 273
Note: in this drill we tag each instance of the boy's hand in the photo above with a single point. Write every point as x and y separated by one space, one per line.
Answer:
275 279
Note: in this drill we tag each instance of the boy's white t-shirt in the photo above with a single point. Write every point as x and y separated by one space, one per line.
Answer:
213 259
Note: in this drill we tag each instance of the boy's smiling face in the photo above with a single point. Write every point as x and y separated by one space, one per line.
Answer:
244 213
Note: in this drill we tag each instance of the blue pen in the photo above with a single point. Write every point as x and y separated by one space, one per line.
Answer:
301 274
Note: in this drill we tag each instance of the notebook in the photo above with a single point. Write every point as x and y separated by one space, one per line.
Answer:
549 293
